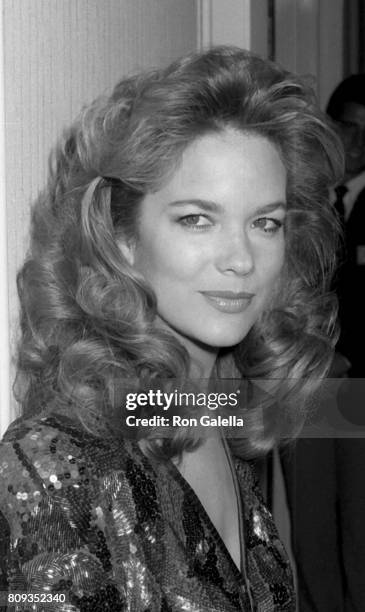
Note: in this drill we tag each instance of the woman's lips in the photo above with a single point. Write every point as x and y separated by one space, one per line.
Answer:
229 301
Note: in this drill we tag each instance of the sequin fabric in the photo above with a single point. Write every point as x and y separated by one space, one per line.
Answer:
115 531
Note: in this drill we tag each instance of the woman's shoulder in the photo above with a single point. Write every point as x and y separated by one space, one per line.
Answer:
62 438
50 438
51 454
56 494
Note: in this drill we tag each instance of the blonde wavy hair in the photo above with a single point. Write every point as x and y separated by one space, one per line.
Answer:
88 318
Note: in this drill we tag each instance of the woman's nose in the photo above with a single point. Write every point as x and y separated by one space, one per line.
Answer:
235 253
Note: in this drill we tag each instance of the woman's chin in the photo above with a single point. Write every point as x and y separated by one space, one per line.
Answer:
223 339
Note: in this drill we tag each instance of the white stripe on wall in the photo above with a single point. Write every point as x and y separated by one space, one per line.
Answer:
4 312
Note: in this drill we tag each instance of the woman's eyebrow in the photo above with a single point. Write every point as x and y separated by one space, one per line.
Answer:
211 206
208 205
271 207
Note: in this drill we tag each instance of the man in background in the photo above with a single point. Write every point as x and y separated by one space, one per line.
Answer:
346 108
325 477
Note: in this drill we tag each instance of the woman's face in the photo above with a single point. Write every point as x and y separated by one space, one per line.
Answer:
211 241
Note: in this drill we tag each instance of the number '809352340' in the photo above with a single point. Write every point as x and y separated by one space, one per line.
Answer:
20 597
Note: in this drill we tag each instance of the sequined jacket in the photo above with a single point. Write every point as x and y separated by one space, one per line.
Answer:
112 530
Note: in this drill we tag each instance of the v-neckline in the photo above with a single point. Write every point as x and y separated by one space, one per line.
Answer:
188 489
185 485
194 498
240 575
239 507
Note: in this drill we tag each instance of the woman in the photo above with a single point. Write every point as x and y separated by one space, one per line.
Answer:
185 233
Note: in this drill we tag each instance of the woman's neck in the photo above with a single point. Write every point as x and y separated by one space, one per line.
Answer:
202 359
202 363
202 356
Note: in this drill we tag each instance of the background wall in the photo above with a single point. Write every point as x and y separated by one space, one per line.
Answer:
236 22
58 55
309 40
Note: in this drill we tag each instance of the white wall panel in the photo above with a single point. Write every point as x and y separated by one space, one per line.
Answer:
243 23
331 47
60 54
4 312
309 40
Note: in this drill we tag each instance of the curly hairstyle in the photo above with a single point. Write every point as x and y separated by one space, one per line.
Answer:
88 316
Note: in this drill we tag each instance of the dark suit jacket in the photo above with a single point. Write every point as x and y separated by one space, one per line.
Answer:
325 478
351 289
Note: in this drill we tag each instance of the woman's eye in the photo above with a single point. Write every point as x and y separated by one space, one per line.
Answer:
268 224
195 221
